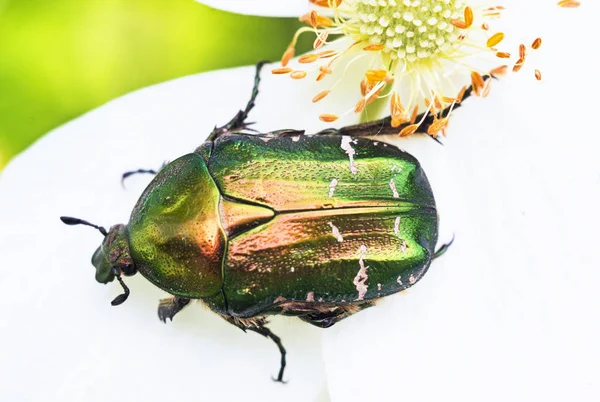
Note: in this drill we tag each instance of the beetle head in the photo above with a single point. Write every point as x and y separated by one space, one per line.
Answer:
113 258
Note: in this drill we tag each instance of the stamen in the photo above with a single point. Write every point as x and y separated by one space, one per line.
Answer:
325 3
298 74
281 70
450 100
360 106
415 114
518 65
499 71
373 48
321 40
320 96
468 16
568 4
328 118
495 39
288 55
522 51
437 126
459 24
477 81
409 130
308 58
461 94
328 53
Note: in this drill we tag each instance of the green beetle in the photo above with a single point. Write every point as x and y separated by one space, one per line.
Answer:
317 227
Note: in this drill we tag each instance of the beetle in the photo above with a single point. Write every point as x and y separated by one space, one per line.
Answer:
255 224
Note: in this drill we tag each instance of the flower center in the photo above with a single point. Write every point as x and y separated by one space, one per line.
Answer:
409 30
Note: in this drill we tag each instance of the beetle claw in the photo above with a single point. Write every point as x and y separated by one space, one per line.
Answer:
168 308
163 314
278 380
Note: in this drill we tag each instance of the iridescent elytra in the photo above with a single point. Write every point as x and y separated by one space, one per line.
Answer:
281 223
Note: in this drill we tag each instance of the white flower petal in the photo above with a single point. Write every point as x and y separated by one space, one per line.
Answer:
267 8
61 339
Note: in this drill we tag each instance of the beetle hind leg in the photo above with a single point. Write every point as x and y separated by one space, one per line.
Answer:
257 324
168 308
238 122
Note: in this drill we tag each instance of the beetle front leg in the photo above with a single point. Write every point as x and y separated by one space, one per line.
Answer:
257 325
239 120
168 308
384 126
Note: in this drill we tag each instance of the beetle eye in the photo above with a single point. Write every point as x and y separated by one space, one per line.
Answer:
128 270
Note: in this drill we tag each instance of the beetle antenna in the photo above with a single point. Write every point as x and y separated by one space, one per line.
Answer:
120 299
67 220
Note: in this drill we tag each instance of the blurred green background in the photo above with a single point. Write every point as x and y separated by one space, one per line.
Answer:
61 58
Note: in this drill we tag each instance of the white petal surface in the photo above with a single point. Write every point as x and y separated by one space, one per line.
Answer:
267 8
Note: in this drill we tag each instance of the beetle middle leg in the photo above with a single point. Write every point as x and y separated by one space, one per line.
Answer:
168 308
257 324
238 122
326 319
141 171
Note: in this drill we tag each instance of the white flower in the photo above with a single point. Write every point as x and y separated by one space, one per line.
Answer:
419 55
509 313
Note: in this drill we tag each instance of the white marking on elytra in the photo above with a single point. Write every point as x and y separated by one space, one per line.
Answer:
403 246
361 277
396 169
292 269
393 187
397 225
336 232
332 185
399 280
412 279
310 297
346 146
379 286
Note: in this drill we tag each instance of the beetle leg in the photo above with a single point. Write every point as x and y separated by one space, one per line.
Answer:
384 126
168 308
288 133
238 122
266 332
442 250
257 325
326 319
141 171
